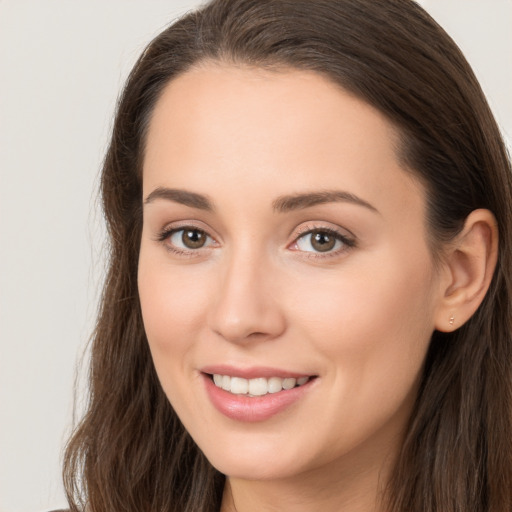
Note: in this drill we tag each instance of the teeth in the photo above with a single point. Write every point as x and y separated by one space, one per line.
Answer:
239 386
289 383
274 384
256 387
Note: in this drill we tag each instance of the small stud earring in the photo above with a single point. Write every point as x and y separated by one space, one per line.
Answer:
452 319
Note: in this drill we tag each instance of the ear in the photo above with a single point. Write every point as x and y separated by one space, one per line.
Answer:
468 267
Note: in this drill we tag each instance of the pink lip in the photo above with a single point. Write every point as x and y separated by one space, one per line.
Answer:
253 409
252 372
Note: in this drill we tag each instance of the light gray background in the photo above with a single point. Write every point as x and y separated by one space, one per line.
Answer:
62 64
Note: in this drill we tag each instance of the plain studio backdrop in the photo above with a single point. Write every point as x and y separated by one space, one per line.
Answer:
62 65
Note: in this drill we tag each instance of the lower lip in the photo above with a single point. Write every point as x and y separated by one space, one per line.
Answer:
252 409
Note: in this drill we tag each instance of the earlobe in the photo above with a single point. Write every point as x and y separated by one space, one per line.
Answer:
469 266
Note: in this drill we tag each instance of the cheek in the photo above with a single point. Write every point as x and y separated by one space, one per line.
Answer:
173 308
173 311
372 333
373 324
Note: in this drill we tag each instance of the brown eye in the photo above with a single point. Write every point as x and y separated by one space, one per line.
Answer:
322 241
193 238
188 238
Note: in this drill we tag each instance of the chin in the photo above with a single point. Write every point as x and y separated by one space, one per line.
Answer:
253 461
254 469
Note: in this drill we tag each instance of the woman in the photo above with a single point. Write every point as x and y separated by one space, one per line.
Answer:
308 303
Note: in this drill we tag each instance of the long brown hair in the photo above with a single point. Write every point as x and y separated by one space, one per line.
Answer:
130 452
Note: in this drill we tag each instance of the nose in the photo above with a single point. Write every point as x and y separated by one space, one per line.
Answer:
245 306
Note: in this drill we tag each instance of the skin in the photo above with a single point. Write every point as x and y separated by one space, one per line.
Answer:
358 317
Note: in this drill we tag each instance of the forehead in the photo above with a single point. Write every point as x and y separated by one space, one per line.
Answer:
243 125
216 99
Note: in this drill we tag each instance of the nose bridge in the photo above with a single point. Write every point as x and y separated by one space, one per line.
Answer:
244 306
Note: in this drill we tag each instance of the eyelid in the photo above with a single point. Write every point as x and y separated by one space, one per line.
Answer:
168 230
184 224
347 238
341 234
308 227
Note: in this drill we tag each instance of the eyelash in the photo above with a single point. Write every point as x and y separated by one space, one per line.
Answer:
347 242
166 233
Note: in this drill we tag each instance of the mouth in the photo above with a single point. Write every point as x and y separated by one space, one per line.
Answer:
257 393
258 386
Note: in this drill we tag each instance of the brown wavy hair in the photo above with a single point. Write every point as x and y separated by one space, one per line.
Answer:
130 452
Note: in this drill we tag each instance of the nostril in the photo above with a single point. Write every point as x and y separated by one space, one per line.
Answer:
257 335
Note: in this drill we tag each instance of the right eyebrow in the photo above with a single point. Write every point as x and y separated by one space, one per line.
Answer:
309 199
184 197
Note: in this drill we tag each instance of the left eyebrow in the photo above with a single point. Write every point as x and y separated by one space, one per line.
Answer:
182 197
300 201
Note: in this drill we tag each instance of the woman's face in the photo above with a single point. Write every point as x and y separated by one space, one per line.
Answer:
284 258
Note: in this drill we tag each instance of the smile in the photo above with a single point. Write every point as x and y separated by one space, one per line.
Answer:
257 387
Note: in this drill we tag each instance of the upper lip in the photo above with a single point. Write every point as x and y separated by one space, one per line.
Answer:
252 372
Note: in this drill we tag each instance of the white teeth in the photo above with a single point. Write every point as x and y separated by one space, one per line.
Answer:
289 383
256 387
239 386
275 384
226 383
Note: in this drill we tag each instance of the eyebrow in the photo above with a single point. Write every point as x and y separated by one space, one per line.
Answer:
300 201
282 204
181 196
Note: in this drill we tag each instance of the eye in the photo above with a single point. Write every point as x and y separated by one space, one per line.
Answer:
322 240
187 238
